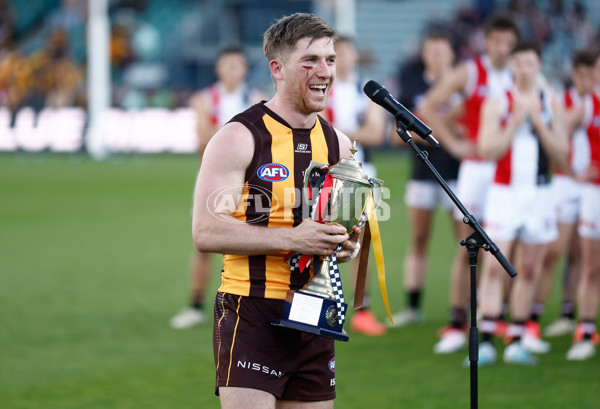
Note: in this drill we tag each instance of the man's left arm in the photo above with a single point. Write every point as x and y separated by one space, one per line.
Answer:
372 130
554 138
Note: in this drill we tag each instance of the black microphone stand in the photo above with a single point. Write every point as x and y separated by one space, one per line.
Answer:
477 240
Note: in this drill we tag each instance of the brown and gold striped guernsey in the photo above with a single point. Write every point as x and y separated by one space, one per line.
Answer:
273 182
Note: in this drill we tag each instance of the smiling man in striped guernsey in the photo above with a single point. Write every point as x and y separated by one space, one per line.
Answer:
247 207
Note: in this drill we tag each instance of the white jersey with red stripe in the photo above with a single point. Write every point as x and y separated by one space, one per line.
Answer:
566 191
474 174
591 122
519 203
225 105
589 222
347 104
579 154
483 81
346 110
525 163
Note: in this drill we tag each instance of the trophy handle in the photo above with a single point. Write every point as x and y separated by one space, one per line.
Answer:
379 184
306 186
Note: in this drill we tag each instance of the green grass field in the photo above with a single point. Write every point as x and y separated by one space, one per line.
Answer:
93 262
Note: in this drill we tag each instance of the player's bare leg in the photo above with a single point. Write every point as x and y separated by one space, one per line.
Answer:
529 263
415 266
567 242
453 337
234 398
491 290
586 336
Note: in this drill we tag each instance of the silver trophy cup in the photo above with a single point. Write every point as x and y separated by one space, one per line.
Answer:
314 308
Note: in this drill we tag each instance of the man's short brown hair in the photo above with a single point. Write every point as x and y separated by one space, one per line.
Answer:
502 22
528 45
281 37
584 58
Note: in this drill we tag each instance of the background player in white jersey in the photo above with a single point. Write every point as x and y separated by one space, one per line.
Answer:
474 79
423 193
214 106
588 294
566 190
349 110
522 130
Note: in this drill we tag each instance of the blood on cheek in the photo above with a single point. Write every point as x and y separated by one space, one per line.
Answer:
303 89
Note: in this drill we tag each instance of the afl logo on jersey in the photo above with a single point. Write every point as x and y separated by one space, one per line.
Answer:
332 365
273 172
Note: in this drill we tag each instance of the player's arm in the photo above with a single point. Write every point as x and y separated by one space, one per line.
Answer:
215 230
573 118
452 82
494 139
344 143
204 128
371 132
554 138
593 171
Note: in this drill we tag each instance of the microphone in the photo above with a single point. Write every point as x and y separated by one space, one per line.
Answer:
407 119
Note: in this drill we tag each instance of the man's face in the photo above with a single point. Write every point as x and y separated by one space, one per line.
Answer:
499 44
525 66
307 74
346 56
583 79
437 55
231 69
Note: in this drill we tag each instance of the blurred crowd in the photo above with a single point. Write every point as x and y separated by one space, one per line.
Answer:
559 26
44 65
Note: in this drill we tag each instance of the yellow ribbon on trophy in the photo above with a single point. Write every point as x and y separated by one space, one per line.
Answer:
371 234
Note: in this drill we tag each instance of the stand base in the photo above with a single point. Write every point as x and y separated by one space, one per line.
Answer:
310 313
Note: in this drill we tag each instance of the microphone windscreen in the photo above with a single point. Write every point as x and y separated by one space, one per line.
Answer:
375 91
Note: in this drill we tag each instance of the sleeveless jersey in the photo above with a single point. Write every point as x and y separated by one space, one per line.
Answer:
525 163
272 197
225 105
592 124
579 149
483 81
346 109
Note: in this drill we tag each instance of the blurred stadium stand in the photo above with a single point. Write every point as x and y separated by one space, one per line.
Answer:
163 50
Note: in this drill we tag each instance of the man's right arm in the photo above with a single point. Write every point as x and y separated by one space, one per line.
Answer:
204 128
494 139
215 230
454 81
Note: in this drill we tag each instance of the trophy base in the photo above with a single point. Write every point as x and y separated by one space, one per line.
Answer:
310 313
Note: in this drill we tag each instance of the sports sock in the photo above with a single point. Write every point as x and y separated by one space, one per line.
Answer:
458 317
537 309
516 331
414 299
488 327
568 309
197 301
589 328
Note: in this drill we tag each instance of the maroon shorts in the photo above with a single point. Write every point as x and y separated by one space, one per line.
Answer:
252 353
